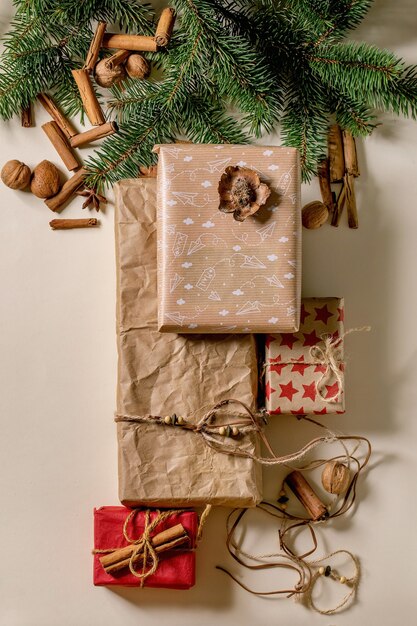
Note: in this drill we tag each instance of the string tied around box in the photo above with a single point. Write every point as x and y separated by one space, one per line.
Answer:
228 438
145 549
328 355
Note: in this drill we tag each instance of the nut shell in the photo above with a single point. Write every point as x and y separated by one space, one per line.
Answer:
46 180
107 77
137 66
335 477
314 215
15 174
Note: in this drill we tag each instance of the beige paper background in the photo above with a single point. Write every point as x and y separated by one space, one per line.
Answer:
58 450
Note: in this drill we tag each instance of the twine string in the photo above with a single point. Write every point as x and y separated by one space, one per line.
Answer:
308 570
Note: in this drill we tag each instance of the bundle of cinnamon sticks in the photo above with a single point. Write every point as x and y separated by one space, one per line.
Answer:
341 166
166 540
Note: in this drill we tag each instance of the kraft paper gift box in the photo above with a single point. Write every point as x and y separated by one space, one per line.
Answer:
175 568
217 274
299 376
162 374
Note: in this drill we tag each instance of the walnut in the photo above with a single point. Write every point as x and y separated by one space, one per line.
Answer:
46 180
335 477
15 174
137 66
106 76
241 192
314 215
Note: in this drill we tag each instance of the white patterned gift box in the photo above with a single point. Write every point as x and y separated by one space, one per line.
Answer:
218 275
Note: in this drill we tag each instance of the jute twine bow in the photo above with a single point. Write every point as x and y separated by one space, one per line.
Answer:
329 355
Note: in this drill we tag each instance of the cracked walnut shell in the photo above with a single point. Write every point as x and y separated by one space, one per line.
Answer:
241 192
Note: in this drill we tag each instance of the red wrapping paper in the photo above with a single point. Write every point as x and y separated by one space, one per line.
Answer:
292 380
176 569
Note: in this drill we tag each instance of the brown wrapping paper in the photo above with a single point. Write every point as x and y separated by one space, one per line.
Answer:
166 373
218 274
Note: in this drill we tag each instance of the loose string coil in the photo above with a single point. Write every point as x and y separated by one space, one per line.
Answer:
226 439
143 544
309 571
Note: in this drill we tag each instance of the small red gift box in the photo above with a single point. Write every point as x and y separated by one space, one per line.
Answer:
305 370
175 568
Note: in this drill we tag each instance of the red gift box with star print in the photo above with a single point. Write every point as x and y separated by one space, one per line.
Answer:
305 370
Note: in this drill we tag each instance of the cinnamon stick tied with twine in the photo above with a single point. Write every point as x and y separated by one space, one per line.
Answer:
308 498
351 172
162 542
91 104
73 223
136 43
325 187
95 45
61 145
68 189
146 548
51 108
336 154
98 132
165 27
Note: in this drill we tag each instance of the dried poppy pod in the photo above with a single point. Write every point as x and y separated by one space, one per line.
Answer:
241 192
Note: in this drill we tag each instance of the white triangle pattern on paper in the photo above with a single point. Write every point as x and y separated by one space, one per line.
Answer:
252 261
274 281
195 246
175 281
214 296
176 317
266 231
249 307
186 197
218 165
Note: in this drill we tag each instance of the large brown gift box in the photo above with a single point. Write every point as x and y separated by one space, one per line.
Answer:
217 274
162 374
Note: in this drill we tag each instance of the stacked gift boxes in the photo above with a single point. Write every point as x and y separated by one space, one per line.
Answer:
193 287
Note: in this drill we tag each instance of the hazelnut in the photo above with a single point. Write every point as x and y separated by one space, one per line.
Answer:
15 174
137 66
46 180
335 477
314 214
106 76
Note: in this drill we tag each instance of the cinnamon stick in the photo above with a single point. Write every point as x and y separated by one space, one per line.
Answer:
336 154
350 154
112 569
68 189
69 224
120 558
117 59
325 188
349 185
90 103
61 145
27 117
310 501
165 27
340 205
51 108
98 132
95 45
137 43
